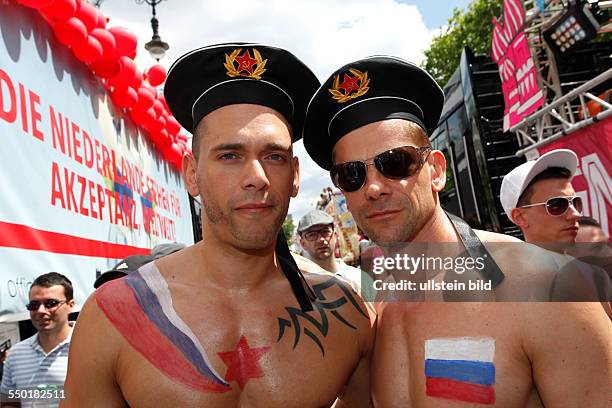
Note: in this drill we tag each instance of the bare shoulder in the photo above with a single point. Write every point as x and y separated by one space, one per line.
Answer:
490 237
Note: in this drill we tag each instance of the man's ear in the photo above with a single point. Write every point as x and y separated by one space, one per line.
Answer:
520 218
296 177
190 175
437 169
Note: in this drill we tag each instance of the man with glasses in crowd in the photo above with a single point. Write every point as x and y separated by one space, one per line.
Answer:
318 239
369 125
40 362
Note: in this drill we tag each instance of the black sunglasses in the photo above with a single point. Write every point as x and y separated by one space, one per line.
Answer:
48 304
559 205
397 163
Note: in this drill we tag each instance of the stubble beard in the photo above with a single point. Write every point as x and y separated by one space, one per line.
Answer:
391 233
258 236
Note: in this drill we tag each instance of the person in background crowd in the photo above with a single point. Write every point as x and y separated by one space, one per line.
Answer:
318 238
589 230
40 362
369 124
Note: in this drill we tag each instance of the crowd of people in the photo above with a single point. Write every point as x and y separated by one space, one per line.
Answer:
237 320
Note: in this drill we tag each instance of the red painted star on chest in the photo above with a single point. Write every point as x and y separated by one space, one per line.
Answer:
245 62
349 84
243 362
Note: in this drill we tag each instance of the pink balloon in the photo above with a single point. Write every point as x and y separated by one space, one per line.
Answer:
87 14
106 40
60 10
156 75
88 51
70 32
35 3
126 41
106 68
124 97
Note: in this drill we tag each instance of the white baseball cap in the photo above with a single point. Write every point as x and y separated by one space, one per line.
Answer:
515 182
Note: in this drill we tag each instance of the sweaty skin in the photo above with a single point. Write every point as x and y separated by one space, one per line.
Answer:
544 354
217 324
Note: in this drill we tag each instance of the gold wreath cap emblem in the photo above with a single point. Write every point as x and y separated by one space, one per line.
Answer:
244 65
351 87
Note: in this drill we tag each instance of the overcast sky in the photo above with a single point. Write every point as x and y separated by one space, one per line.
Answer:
325 34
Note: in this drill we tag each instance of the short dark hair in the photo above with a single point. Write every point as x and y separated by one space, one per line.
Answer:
584 220
548 174
53 278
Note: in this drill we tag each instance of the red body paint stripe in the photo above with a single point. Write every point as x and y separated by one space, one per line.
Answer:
460 391
120 306
24 237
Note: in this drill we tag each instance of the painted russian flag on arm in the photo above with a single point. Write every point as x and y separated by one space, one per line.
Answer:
461 369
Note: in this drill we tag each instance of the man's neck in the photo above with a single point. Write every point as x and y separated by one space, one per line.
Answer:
438 228
328 264
232 268
49 340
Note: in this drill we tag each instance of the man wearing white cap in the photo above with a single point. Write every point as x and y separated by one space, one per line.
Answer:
538 197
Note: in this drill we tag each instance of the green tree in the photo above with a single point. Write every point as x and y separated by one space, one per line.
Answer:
471 27
288 228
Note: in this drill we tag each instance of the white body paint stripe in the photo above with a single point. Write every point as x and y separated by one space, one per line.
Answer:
159 286
461 348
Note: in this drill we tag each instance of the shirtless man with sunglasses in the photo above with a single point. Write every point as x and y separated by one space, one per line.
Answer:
369 124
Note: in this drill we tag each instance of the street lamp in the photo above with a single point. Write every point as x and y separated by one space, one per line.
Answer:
156 47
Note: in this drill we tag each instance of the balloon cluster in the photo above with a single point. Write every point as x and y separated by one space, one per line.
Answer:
110 53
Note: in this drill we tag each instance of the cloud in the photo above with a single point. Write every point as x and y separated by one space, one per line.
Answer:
325 34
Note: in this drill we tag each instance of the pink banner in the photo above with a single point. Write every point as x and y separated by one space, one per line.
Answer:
509 48
592 181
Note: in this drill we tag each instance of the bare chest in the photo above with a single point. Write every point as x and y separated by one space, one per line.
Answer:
219 352
444 354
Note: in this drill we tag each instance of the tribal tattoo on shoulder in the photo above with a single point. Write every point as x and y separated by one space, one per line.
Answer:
322 307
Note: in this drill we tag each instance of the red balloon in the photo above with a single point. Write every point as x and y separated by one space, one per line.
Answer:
35 3
70 32
124 97
172 125
127 74
88 51
142 116
161 139
126 41
60 10
158 106
87 14
101 19
145 98
182 137
106 68
156 75
106 40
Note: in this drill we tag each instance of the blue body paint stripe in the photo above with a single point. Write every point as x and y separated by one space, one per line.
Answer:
153 310
475 372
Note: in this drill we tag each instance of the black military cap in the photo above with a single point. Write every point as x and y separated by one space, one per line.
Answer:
224 74
367 91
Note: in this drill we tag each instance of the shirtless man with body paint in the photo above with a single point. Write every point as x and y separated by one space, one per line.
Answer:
217 324
368 125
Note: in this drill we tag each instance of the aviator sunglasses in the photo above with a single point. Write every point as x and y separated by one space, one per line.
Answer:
48 304
398 163
557 206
